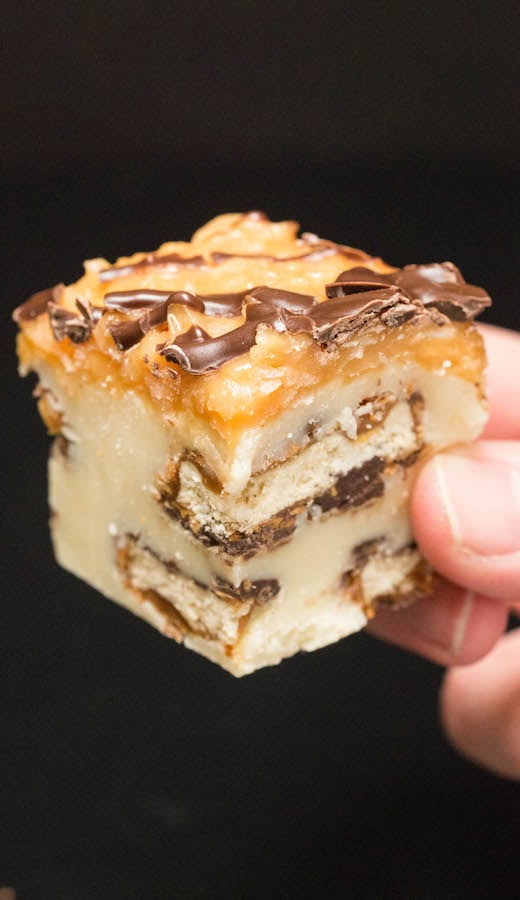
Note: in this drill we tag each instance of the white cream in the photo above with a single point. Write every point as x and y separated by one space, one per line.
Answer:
106 489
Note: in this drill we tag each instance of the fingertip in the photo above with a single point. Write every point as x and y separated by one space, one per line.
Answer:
430 523
465 512
485 625
452 626
480 708
503 380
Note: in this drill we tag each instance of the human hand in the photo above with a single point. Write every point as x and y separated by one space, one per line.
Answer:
466 518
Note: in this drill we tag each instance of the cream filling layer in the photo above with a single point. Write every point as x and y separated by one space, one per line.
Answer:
243 637
106 488
454 414
310 473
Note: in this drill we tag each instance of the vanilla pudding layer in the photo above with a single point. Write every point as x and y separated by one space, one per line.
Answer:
117 441
110 528
388 416
234 434
245 635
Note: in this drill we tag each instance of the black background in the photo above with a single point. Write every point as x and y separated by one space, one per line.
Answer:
131 768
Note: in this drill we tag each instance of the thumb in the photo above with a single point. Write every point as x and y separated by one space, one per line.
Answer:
466 517
480 707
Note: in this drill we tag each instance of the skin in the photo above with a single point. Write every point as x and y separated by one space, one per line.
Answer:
466 517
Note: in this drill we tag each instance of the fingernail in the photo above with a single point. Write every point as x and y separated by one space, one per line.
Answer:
460 625
481 499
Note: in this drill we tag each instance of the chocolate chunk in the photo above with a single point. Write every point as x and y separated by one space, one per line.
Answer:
244 544
352 311
399 314
438 285
372 411
154 306
158 315
289 301
410 459
196 352
260 591
364 551
361 484
417 404
61 446
89 312
416 584
66 323
126 333
356 280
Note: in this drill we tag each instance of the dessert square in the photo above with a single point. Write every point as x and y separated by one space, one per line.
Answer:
237 422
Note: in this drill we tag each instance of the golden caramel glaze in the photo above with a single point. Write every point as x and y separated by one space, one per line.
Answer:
281 369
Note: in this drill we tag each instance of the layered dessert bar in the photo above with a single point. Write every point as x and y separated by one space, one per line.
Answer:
237 423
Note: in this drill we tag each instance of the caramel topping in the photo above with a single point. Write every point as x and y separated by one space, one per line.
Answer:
356 297
260 313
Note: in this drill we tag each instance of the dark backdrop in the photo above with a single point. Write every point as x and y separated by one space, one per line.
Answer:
130 768
257 81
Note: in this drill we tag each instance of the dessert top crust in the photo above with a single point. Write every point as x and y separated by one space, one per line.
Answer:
245 294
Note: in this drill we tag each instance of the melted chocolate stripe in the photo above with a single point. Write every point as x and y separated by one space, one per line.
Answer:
125 300
438 285
37 304
286 300
263 305
197 352
126 334
317 251
227 305
356 297
211 304
167 259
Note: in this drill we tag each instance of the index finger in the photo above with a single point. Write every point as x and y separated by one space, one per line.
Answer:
503 382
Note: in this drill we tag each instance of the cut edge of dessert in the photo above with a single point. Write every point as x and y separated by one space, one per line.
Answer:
238 422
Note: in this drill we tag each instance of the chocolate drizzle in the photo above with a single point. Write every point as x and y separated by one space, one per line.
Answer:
318 250
152 259
37 304
286 311
437 285
197 352
76 326
357 298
